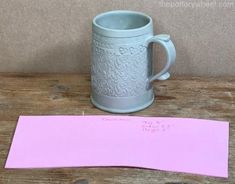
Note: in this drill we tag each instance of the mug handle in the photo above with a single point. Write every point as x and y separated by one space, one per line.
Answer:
165 41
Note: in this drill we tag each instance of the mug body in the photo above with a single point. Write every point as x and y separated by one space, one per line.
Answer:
121 62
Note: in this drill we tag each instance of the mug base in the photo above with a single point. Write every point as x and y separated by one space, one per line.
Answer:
123 110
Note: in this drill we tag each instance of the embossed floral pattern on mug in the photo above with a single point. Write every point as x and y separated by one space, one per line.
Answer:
111 74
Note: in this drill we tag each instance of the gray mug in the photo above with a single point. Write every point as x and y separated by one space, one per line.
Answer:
121 64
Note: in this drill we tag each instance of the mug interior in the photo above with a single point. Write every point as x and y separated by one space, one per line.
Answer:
122 20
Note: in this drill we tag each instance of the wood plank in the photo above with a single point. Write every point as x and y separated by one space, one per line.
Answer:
45 94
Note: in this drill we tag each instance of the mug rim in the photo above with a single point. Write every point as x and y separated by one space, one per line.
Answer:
147 28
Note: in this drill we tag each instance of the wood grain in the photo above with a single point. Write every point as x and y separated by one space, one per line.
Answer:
46 94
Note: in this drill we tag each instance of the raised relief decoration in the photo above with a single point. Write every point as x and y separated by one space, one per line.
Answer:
111 64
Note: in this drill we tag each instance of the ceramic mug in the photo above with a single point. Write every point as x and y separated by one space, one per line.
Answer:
121 64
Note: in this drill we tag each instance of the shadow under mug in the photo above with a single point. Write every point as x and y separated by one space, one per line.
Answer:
121 65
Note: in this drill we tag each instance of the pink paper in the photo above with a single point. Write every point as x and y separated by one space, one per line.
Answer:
171 144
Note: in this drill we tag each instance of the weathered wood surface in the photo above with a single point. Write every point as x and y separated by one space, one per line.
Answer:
69 94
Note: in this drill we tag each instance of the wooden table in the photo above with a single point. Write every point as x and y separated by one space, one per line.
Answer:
69 94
